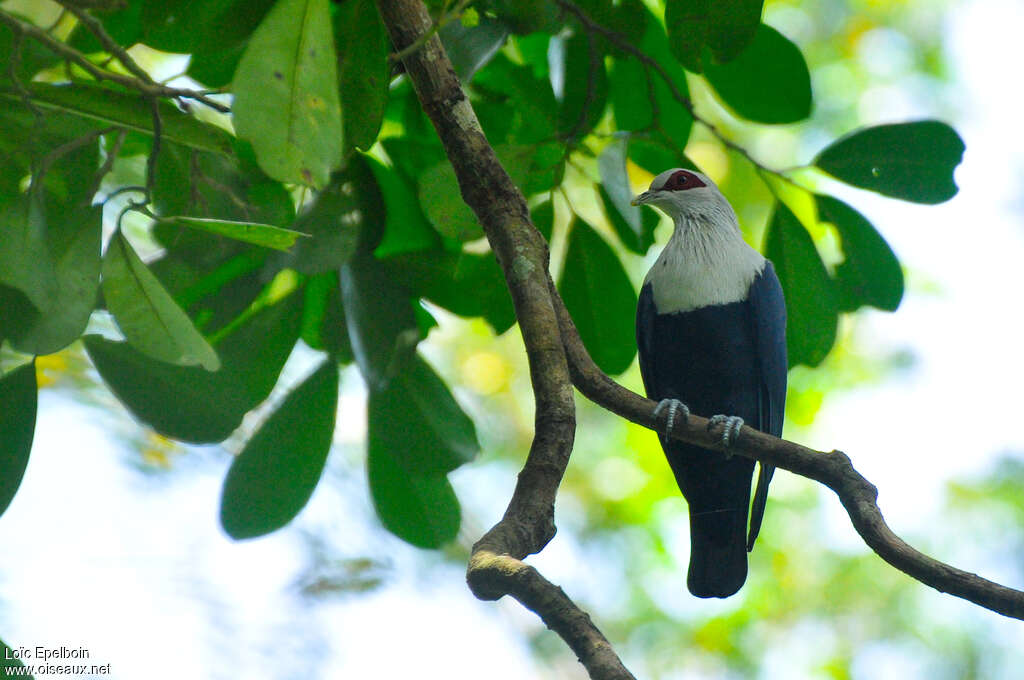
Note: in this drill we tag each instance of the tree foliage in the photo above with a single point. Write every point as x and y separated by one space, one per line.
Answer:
317 203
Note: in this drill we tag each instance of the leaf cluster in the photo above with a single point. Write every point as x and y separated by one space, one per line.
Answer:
324 210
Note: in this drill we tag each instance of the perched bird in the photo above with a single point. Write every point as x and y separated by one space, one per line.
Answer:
711 330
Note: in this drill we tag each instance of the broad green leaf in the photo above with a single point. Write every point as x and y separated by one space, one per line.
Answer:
600 298
523 103
913 161
273 477
111 106
420 509
323 317
543 217
265 235
286 94
534 168
17 427
405 227
190 27
870 274
76 252
442 202
674 119
768 82
363 70
634 227
464 283
527 16
627 90
334 222
188 403
687 23
470 47
147 314
657 155
812 307
25 259
726 27
202 184
417 420
733 25
381 322
586 87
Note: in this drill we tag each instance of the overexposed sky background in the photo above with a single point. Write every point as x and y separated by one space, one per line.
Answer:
136 569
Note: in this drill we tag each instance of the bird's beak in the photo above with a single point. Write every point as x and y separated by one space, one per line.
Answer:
642 198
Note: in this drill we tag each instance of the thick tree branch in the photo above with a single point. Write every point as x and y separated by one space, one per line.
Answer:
495 566
834 470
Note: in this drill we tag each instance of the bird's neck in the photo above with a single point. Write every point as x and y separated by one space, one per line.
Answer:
705 262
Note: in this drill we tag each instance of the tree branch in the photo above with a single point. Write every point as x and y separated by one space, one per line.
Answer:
557 356
834 470
495 566
147 87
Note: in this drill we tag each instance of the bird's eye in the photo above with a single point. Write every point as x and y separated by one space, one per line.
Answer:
683 180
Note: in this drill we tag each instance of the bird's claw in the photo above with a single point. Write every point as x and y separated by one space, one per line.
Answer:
730 429
674 407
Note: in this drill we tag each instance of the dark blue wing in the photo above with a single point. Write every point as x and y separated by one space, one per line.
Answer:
768 317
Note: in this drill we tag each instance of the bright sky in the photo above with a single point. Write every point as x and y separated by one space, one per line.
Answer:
136 569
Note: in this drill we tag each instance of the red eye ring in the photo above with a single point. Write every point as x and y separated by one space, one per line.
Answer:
683 179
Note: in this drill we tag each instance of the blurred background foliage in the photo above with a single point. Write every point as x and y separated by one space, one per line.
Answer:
816 605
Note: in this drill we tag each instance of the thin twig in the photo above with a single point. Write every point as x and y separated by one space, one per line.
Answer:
72 55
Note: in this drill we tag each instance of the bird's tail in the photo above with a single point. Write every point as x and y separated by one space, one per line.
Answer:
718 555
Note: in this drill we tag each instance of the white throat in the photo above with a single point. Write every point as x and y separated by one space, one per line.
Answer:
706 262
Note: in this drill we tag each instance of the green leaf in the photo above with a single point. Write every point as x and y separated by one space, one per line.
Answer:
655 155
188 403
811 306
25 259
687 23
870 274
768 82
543 217
464 283
76 246
265 235
586 87
323 317
600 298
17 427
147 314
634 227
674 119
286 94
417 420
533 167
420 509
470 47
111 106
442 202
190 27
405 227
733 25
912 161
381 322
273 477
202 184
363 70
726 27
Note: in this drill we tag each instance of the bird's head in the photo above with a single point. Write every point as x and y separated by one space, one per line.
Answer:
681 193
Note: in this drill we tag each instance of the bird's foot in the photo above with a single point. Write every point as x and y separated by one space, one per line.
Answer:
675 407
730 430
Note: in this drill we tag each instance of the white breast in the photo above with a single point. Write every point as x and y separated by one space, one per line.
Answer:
702 266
